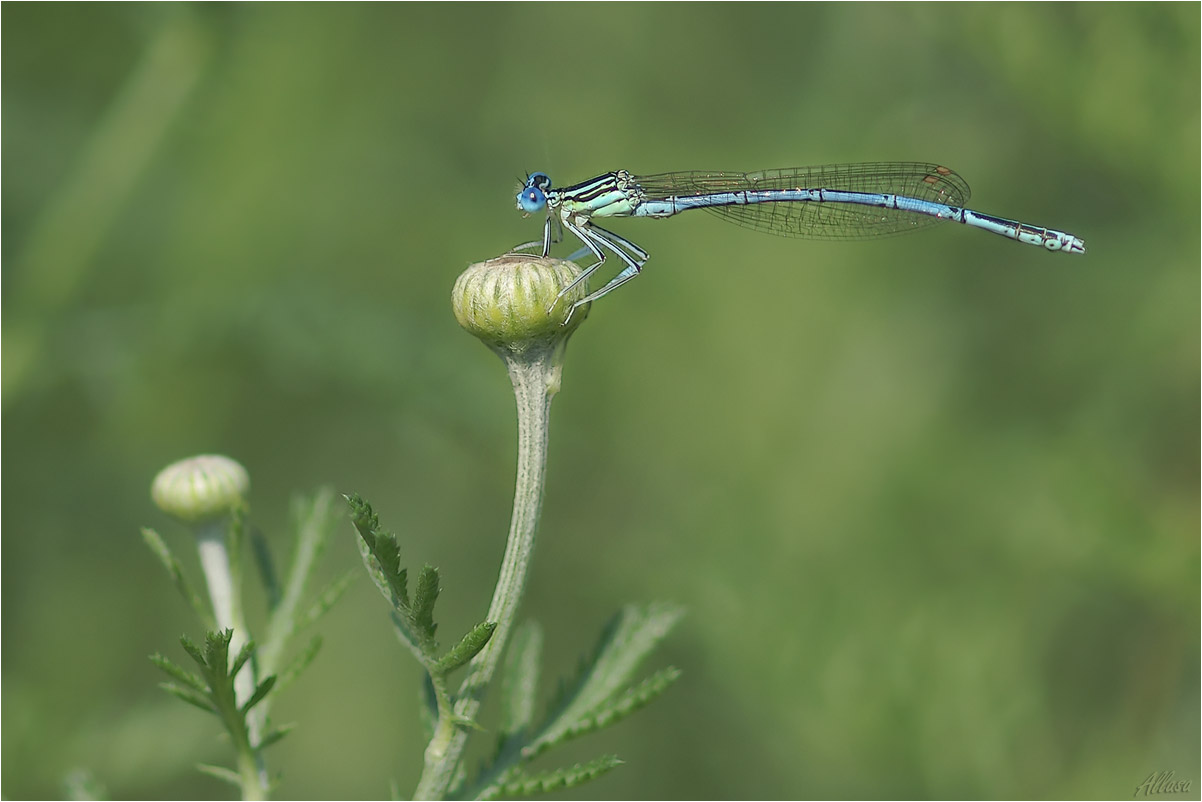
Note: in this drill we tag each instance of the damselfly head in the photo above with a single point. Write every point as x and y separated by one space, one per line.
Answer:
531 199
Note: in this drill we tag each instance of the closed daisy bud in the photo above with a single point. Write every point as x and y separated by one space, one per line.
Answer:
513 302
200 488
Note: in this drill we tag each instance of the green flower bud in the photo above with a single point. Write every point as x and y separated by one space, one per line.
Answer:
200 488
511 302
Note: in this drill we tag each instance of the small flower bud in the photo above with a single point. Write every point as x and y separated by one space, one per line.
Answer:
511 301
200 488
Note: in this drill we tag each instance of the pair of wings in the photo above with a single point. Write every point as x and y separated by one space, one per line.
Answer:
827 220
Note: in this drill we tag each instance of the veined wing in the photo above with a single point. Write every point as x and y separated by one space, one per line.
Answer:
822 220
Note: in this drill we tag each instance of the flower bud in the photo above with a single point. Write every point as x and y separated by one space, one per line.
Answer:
199 488
511 301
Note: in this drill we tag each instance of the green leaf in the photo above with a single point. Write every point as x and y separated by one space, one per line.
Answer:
261 691
424 597
220 773
519 678
525 786
625 642
298 664
193 650
429 707
380 552
243 655
314 520
610 712
217 651
218 695
466 649
261 550
178 673
329 596
635 697
190 696
176 571
464 723
275 735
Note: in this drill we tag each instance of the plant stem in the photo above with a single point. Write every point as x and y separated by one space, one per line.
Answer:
227 609
535 376
250 772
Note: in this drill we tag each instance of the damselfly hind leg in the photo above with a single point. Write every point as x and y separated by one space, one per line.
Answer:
617 281
597 238
590 247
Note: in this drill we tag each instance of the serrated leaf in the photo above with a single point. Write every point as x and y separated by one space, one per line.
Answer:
635 697
424 597
380 553
273 736
186 677
466 649
298 664
193 651
519 678
190 696
610 712
176 571
377 575
361 513
221 773
261 691
625 642
244 654
217 650
525 786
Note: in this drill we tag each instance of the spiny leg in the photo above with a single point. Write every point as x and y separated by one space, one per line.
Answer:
617 281
594 236
584 276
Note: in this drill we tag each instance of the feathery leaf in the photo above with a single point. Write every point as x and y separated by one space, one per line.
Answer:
466 649
525 786
156 544
424 597
221 773
186 677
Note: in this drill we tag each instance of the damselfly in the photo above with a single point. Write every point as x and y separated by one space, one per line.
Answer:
838 201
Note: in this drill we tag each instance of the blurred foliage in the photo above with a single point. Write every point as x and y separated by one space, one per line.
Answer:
935 519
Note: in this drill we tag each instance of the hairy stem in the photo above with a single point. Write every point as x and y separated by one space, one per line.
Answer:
535 377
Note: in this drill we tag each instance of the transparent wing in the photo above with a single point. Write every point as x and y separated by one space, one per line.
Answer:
825 220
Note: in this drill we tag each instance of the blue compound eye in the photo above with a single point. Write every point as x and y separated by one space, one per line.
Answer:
539 180
531 199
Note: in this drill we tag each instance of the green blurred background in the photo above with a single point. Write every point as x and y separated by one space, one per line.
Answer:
932 501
